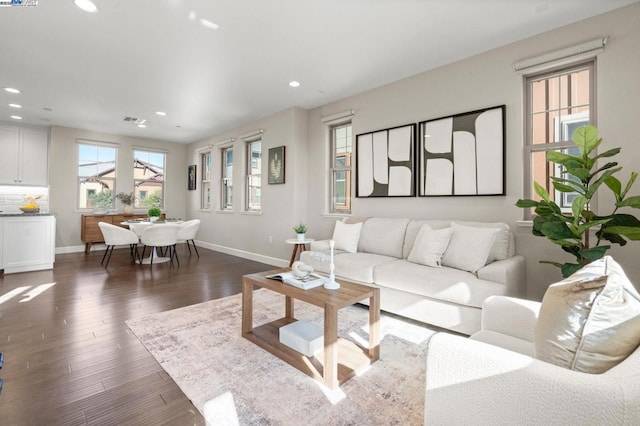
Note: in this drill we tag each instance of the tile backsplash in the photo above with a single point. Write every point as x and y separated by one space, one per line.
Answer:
12 197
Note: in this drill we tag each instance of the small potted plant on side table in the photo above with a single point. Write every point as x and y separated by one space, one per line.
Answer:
154 213
127 201
301 230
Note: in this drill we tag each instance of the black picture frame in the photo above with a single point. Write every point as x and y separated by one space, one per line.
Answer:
385 162
276 165
463 154
191 176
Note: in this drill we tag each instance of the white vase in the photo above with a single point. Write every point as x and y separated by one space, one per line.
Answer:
128 209
301 237
153 218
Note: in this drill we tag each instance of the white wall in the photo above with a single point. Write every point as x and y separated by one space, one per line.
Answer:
283 205
63 178
482 81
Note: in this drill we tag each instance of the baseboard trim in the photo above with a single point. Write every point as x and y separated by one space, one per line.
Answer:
281 263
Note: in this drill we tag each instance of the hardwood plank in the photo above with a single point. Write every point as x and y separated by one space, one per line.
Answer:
70 358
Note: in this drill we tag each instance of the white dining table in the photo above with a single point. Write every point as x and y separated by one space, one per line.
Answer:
138 226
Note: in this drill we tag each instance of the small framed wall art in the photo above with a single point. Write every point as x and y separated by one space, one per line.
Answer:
462 154
385 162
191 185
276 165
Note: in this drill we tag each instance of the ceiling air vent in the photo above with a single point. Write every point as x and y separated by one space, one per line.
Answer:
132 119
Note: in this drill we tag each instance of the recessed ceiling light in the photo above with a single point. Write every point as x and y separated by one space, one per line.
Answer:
208 24
294 83
142 126
86 5
161 113
16 117
11 90
15 106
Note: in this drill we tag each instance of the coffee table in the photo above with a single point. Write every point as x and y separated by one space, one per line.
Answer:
341 358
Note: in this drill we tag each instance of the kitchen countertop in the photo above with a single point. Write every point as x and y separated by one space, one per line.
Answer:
6 214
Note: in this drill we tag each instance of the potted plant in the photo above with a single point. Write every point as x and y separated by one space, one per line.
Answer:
127 200
154 213
301 230
581 176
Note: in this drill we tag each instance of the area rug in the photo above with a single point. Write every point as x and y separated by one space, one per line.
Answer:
234 382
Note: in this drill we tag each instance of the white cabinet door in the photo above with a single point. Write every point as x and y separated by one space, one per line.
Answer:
9 142
24 155
35 154
28 243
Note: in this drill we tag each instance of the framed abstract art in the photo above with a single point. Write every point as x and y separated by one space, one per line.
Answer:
385 162
462 154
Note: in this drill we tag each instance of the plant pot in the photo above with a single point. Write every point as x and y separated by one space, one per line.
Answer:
153 218
128 209
300 237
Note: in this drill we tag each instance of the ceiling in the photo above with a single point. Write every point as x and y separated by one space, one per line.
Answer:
133 58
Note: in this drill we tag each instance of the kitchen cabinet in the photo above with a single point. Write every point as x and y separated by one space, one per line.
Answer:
90 232
24 156
27 242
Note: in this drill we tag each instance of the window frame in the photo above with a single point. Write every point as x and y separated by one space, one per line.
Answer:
226 191
98 145
138 203
249 176
531 148
206 184
334 169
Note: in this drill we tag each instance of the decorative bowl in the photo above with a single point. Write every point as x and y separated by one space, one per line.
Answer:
30 209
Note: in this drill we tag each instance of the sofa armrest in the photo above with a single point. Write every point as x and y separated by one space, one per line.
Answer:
522 315
470 382
320 245
510 272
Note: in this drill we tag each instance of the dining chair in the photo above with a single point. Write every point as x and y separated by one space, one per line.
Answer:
160 236
114 236
188 232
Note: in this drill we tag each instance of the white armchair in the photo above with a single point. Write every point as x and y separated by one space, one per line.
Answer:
491 378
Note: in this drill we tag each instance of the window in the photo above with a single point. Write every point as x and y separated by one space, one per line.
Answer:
557 103
340 164
96 175
205 188
254 174
227 178
148 178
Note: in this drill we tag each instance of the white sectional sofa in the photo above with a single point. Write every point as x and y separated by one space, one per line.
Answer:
443 296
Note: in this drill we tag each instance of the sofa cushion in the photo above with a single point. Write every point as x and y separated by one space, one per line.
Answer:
383 236
469 247
590 321
502 245
430 246
449 284
352 266
412 232
346 236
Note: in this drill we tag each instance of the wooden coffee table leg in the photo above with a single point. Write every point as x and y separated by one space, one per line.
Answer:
288 310
330 373
374 326
247 307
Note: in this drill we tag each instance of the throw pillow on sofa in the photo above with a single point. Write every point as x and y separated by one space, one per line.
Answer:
469 247
590 321
346 236
430 246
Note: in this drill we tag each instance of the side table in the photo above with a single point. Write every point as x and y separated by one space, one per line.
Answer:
298 247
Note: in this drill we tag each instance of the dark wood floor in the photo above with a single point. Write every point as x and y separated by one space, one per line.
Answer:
70 358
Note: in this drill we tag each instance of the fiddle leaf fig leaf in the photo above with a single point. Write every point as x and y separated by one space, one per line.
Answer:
615 186
577 206
586 138
594 253
569 268
630 202
559 157
580 172
610 153
541 191
631 232
632 179
525 204
595 185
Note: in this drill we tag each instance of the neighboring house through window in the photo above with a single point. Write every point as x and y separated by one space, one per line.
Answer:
96 175
148 178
